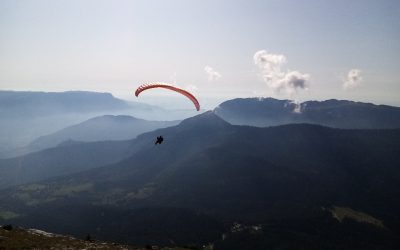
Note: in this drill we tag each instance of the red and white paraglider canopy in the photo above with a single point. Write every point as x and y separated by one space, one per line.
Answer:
170 87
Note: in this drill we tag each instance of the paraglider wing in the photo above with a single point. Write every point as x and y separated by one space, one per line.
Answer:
170 87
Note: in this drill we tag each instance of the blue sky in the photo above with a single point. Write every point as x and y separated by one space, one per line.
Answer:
114 46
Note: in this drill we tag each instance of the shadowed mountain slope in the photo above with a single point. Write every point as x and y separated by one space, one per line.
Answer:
70 157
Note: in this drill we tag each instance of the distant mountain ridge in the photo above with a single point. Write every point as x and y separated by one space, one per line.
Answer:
48 103
264 112
101 128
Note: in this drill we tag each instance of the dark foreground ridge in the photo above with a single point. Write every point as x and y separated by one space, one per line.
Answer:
20 238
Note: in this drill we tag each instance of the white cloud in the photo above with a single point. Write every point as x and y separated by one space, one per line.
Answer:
298 107
279 81
211 73
270 62
294 81
353 79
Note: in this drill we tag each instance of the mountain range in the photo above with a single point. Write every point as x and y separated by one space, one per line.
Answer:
26 116
66 152
262 112
33 104
294 186
101 128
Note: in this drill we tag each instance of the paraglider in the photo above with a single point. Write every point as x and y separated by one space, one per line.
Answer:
170 87
159 140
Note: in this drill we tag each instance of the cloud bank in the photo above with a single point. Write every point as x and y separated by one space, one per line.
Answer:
276 79
212 75
353 79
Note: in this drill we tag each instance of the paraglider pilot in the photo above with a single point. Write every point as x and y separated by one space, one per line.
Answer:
160 139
